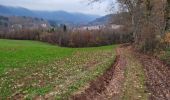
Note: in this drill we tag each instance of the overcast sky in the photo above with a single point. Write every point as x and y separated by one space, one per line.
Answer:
66 5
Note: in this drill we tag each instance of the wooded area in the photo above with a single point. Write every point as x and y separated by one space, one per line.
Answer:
150 21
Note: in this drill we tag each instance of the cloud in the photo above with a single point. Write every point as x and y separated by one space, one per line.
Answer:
66 5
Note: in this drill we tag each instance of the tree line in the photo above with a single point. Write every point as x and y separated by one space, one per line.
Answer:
72 38
150 20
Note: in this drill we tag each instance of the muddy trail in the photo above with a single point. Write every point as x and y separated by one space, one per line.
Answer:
132 77
107 86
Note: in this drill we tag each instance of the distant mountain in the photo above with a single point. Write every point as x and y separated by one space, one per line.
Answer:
57 16
101 20
118 18
17 22
15 11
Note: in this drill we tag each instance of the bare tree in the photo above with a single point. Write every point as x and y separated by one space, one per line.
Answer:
168 15
148 21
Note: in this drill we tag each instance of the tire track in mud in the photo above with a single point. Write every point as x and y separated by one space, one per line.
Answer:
109 85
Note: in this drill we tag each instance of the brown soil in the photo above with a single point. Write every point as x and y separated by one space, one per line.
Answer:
158 77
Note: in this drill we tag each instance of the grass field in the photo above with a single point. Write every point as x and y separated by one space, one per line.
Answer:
31 69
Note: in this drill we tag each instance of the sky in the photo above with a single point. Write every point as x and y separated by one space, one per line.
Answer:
81 6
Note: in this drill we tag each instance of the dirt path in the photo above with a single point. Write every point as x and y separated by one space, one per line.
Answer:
113 90
107 86
133 77
124 80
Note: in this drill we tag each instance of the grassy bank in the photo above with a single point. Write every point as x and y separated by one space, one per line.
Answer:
135 79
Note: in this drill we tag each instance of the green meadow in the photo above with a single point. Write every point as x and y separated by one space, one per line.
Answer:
31 69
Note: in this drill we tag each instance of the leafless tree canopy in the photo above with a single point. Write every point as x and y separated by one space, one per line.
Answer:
150 21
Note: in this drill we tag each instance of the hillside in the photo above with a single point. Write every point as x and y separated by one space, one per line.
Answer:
57 16
16 22
101 20
117 18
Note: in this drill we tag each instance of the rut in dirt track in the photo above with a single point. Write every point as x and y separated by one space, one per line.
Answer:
109 85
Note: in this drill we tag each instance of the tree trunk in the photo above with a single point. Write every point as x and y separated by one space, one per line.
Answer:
168 16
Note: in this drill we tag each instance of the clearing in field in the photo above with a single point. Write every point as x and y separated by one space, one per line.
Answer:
31 69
